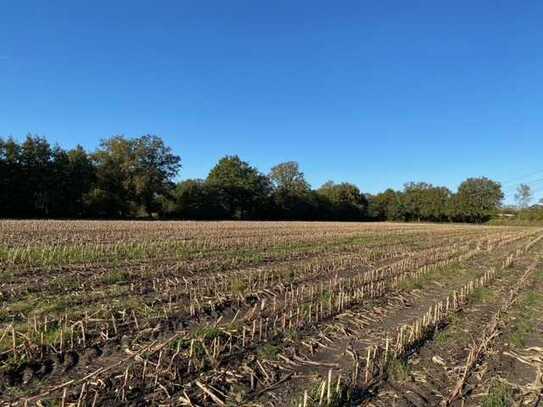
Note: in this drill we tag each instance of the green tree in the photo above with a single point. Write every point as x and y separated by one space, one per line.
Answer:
194 199
38 180
477 200
82 178
73 176
423 201
242 191
12 183
291 192
132 174
345 199
288 177
387 205
37 176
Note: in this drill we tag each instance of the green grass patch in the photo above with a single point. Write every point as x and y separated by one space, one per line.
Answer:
528 311
239 286
499 395
483 294
411 284
326 295
398 370
442 275
115 277
520 333
268 351
208 333
443 337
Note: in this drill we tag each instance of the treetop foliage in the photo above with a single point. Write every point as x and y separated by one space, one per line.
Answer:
287 178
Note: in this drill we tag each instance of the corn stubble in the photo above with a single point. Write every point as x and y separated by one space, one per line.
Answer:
224 313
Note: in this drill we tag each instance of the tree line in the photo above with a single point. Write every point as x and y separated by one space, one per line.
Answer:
134 177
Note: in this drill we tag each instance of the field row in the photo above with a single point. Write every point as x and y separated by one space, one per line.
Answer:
217 324
318 318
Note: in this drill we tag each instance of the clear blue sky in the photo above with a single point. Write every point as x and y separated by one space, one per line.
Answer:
373 92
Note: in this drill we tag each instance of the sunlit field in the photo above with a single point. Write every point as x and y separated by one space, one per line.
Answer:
269 313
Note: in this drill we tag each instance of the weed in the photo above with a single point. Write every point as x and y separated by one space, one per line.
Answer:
409 284
443 337
208 333
524 325
180 344
239 286
483 294
268 351
499 395
116 277
399 370
341 396
292 334
326 295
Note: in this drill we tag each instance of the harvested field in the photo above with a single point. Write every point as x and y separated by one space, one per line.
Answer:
98 313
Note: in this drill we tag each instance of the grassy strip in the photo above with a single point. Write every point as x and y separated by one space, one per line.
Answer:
526 315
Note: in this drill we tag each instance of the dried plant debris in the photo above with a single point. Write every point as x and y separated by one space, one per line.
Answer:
266 314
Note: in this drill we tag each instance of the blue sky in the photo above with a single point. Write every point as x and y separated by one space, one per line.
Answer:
373 92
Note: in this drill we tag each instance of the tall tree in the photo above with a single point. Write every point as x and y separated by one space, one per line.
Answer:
12 188
37 176
194 199
346 200
426 202
288 177
291 192
82 178
478 200
37 180
74 175
243 192
132 174
523 196
387 205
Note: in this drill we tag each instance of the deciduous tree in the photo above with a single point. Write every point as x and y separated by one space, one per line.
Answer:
132 174
478 200
242 190
346 200
523 196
